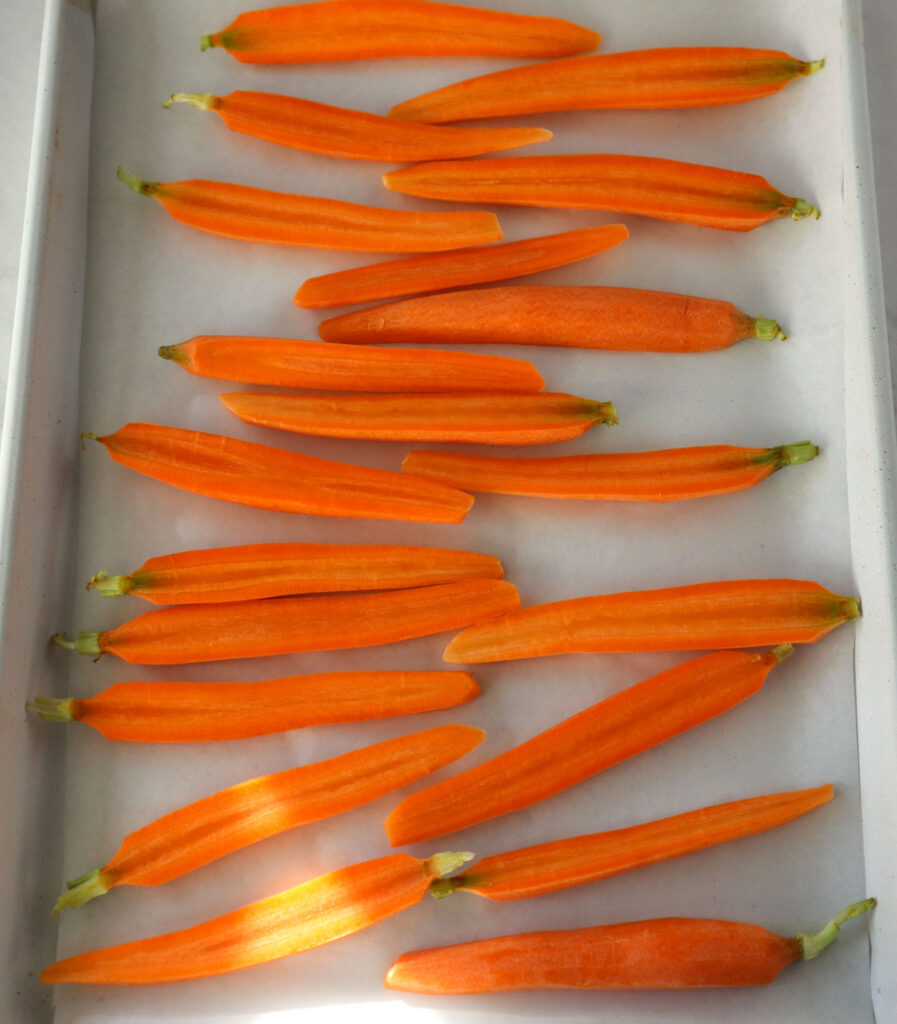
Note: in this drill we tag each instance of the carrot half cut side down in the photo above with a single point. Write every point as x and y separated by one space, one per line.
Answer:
319 911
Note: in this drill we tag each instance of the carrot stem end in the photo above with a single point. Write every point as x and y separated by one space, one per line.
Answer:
813 944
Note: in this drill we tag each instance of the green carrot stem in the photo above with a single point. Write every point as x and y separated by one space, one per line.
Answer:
54 709
82 890
813 944
86 643
110 586
767 330
199 100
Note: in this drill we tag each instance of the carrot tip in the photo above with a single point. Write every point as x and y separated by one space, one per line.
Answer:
206 43
781 652
768 330
54 709
813 944
199 100
813 66
803 209
142 188
798 453
82 890
87 643
109 586
442 864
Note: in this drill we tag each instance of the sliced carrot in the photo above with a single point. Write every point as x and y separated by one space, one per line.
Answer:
326 908
336 131
564 863
480 418
590 316
674 77
280 218
289 625
285 362
603 735
263 477
648 186
233 818
436 271
676 474
362 29
168 712
730 613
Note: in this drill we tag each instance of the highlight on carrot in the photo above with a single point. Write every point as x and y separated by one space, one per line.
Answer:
665 953
668 78
273 478
676 474
711 197
576 316
322 910
177 712
700 616
474 417
336 131
229 820
436 271
290 625
363 29
613 730
281 218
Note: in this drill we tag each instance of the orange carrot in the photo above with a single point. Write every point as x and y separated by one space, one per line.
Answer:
248 571
703 616
551 867
590 316
326 908
648 186
233 818
167 712
665 953
288 625
436 271
480 418
284 362
673 475
257 215
362 29
263 477
336 131
686 76
603 735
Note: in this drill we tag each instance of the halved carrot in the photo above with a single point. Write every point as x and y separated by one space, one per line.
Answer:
626 724
589 316
648 186
280 218
326 908
673 77
336 131
564 863
676 474
436 271
362 29
273 478
289 625
233 818
729 613
168 712
665 953
480 418
285 362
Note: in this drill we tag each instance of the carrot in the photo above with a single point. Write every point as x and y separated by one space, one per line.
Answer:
319 911
648 186
273 478
257 215
248 571
481 418
551 867
362 29
284 362
336 131
233 818
436 271
590 316
288 625
626 724
665 953
168 712
730 613
673 475
675 77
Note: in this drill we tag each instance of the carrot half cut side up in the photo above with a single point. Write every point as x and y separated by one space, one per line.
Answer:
280 218
234 818
665 953
626 724
319 911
